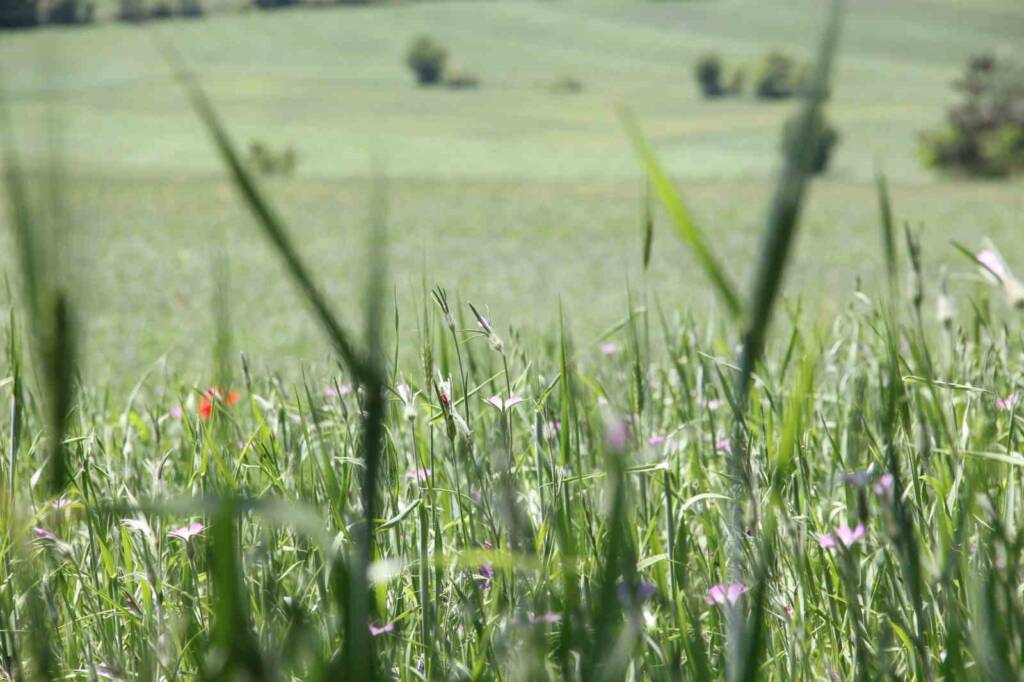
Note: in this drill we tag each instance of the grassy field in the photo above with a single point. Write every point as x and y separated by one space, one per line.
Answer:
500 491
507 194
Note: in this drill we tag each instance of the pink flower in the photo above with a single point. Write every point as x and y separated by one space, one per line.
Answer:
616 434
188 532
387 627
884 484
723 445
849 536
176 412
656 440
43 534
503 404
1008 402
549 617
609 348
788 610
61 503
721 594
826 541
337 392
993 264
712 405
418 475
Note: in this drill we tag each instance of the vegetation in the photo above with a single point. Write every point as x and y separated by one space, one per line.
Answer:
985 132
18 13
426 58
777 77
826 138
709 75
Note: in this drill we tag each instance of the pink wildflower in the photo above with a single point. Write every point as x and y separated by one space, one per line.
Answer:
387 627
721 594
503 404
186 533
418 475
1008 402
656 439
609 348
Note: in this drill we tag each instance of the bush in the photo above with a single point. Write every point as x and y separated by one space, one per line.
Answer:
566 84
266 161
426 58
777 77
709 75
985 132
461 80
70 12
18 13
827 138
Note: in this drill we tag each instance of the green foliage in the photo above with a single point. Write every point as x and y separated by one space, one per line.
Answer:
826 137
426 57
267 161
709 74
19 13
985 131
145 10
777 76
70 12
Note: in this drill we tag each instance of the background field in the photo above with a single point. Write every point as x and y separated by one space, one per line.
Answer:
512 195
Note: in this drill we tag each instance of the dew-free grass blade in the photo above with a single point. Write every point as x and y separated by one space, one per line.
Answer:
680 216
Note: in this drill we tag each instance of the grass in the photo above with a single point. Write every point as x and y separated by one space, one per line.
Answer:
453 499
481 182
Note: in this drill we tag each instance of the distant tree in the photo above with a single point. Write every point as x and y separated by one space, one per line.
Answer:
709 75
826 136
18 13
984 135
69 12
777 77
426 58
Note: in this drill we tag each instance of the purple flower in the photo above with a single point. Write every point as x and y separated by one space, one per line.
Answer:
61 503
188 532
721 594
639 594
43 534
549 617
656 439
503 404
418 475
487 573
884 484
387 627
857 479
723 445
176 412
826 541
609 348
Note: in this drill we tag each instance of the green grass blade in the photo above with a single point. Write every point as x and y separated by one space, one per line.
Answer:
684 224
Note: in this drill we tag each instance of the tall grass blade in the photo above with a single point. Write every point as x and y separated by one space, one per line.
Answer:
683 222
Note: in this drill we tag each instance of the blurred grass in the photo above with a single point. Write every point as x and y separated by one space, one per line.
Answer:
507 194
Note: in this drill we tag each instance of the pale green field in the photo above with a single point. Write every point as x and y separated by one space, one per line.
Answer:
513 195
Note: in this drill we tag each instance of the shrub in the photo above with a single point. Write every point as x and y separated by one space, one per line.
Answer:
266 161
777 77
70 12
459 79
984 135
426 58
827 138
709 75
18 13
566 84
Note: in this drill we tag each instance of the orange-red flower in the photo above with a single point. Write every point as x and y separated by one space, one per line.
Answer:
215 395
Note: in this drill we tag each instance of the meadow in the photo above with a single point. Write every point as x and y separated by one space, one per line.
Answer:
485 181
473 414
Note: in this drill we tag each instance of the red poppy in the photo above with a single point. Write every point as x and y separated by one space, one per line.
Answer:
215 395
